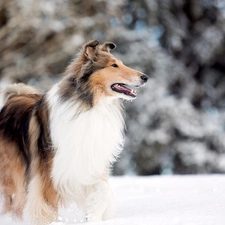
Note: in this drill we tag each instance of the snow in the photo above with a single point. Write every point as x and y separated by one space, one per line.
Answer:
160 200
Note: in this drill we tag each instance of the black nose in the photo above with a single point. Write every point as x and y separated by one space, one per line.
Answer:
144 77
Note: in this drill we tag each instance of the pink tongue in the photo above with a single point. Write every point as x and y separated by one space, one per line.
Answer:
124 88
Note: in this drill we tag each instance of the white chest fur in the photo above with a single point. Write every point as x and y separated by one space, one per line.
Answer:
86 144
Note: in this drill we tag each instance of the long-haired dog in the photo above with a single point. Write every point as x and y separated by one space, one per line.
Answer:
58 148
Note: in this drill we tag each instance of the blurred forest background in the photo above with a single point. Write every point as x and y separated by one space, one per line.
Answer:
177 123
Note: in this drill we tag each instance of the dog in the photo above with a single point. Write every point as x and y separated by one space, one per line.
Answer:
57 148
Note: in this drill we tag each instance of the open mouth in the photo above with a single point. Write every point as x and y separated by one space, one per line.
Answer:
124 89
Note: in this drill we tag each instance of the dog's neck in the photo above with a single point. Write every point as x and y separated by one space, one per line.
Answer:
89 140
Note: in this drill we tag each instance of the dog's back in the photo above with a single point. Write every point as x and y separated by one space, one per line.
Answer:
17 102
14 90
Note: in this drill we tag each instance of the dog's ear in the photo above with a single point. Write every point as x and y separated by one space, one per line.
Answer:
90 49
108 46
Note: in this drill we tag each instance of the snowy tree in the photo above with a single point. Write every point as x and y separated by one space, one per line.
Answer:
177 123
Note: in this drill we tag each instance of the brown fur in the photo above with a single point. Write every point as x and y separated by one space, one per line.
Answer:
13 187
15 167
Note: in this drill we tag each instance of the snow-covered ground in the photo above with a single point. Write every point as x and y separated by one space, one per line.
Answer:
161 200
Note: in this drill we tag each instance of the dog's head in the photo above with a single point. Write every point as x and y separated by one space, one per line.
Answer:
97 72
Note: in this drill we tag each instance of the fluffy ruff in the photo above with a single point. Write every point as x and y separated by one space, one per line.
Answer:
58 148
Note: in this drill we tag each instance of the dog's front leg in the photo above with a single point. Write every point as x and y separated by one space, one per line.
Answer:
100 203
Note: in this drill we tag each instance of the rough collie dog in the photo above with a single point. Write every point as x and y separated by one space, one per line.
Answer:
58 148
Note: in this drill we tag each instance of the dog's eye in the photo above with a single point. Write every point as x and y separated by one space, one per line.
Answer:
114 65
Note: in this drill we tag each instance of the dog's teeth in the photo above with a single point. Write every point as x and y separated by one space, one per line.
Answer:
133 92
